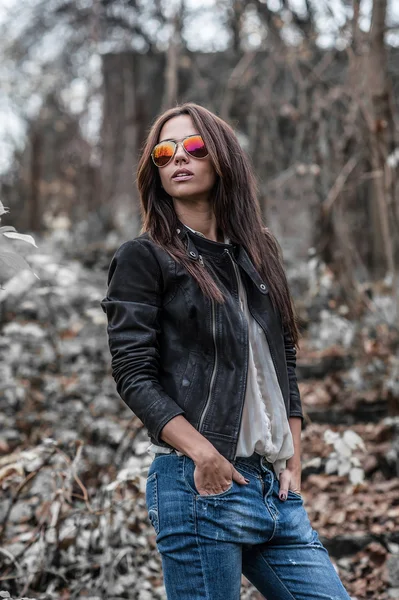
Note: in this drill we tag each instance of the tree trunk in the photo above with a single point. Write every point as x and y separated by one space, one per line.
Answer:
172 60
35 221
381 143
133 86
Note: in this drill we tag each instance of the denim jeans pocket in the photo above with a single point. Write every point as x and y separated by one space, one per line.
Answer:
151 498
188 469
295 494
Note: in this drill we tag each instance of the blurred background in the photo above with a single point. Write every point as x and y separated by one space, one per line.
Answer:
311 89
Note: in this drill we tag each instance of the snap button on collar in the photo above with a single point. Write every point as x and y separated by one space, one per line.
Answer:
262 286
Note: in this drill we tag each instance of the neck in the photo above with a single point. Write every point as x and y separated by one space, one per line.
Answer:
202 220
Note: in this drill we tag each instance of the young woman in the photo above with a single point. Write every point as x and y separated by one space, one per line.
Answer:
203 337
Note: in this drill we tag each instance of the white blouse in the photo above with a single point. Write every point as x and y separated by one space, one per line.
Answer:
264 426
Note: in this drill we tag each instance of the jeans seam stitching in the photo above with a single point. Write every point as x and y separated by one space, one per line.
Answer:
157 501
274 517
274 522
278 577
200 557
154 483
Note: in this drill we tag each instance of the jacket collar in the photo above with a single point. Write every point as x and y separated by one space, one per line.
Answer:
195 240
197 243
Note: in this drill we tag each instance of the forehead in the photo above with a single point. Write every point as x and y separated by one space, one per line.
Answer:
177 128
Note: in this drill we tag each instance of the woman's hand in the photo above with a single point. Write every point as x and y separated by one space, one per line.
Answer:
290 479
213 474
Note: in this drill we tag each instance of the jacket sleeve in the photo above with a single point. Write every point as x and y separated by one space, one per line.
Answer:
132 305
290 357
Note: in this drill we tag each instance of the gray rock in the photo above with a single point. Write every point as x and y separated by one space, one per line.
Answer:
100 456
15 549
21 511
107 431
64 436
43 483
331 329
393 570
103 405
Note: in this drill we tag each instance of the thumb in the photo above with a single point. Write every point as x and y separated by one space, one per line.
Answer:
284 483
238 477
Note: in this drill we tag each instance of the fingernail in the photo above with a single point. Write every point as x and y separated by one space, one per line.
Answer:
283 497
246 480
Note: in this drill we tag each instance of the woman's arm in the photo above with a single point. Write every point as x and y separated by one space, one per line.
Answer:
294 463
290 357
132 305
290 477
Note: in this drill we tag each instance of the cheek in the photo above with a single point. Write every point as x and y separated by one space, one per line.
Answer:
208 174
164 178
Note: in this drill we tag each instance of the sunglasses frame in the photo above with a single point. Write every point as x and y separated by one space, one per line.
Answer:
176 143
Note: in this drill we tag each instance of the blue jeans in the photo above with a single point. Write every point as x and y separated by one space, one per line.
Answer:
206 542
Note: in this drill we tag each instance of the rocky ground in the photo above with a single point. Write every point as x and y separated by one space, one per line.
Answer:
73 458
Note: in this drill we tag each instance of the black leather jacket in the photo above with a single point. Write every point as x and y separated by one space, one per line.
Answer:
176 352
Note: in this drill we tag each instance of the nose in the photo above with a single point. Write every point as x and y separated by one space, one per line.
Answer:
180 153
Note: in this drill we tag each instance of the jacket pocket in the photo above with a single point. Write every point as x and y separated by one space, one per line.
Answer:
151 498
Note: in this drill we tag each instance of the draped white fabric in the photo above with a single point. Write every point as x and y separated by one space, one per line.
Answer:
264 426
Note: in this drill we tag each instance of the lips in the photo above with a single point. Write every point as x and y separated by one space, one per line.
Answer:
182 174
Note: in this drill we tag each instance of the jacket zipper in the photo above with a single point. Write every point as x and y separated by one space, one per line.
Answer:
237 277
216 358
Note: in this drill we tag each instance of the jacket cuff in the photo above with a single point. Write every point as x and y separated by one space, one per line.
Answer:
156 417
296 413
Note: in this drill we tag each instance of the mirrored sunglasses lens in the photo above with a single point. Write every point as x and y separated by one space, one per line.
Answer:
162 153
195 146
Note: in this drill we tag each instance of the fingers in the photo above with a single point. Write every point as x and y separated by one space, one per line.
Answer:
208 488
208 484
284 484
239 478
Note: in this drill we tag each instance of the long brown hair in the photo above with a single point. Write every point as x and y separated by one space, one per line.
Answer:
234 202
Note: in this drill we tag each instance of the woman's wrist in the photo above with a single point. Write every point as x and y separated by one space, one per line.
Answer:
180 434
294 463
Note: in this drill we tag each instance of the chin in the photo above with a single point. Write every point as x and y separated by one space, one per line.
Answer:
182 194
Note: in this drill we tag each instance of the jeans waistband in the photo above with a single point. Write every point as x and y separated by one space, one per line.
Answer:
256 461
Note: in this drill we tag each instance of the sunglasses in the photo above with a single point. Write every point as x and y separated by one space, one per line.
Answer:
193 145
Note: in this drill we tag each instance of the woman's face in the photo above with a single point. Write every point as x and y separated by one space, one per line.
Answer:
203 178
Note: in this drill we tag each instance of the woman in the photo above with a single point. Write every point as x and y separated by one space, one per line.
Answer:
202 333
